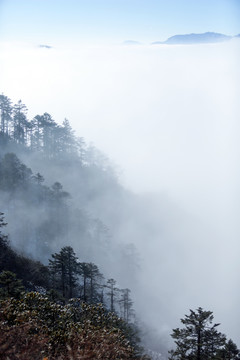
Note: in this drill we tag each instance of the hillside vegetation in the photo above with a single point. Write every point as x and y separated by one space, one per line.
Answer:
66 264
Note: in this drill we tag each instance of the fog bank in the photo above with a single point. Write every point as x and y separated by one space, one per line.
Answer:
168 116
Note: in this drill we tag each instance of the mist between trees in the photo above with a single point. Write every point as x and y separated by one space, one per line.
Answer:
45 218
66 209
65 277
42 219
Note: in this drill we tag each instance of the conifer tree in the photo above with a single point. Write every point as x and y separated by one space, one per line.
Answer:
64 267
68 142
13 173
36 133
230 351
199 339
112 293
20 122
3 239
6 112
10 285
48 128
91 282
95 277
85 273
126 304
38 178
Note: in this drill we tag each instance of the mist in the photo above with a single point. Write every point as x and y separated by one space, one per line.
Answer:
168 117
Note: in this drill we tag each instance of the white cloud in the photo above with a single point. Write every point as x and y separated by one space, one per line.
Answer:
169 116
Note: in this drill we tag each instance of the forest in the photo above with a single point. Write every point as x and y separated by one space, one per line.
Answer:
60 202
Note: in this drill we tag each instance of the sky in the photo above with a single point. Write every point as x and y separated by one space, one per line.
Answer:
167 116
114 20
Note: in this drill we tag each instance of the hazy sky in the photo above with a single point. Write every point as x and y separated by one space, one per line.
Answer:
114 20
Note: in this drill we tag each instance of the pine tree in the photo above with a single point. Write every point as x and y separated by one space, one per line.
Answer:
126 304
68 141
91 282
95 277
65 268
6 112
48 128
20 122
36 133
3 238
230 351
112 293
5 251
13 173
199 339
85 273
38 178
10 285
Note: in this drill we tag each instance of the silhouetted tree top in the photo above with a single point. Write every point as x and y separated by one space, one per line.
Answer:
44 135
199 339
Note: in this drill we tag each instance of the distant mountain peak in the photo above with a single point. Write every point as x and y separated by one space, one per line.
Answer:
203 38
131 42
45 46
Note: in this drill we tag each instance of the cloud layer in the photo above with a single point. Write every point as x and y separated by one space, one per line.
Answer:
169 117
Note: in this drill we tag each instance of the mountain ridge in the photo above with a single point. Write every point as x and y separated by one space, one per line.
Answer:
194 38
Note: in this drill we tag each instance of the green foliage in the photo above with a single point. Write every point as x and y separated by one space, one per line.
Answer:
199 339
13 174
45 316
91 288
6 112
32 273
40 134
126 305
112 292
43 216
3 238
64 269
10 285
27 197
230 351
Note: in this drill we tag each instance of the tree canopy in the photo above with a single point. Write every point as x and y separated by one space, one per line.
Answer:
200 339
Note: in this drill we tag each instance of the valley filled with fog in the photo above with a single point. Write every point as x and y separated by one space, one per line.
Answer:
167 116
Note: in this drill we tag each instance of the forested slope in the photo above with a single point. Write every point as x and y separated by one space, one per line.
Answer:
67 230
83 197
45 222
